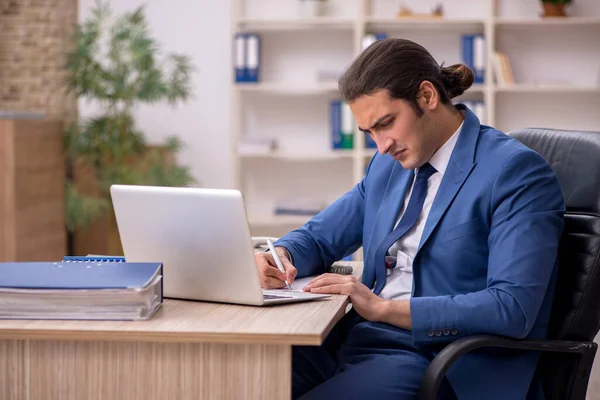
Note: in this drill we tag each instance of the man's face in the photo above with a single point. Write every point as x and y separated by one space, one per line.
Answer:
395 128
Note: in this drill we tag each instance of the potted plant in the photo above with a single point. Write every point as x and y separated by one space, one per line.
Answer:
109 148
555 8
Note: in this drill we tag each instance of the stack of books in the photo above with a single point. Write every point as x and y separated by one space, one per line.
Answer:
86 289
502 69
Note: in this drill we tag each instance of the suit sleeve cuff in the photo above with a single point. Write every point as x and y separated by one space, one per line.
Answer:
429 325
295 255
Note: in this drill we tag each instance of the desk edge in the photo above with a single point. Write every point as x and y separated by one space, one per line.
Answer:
163 337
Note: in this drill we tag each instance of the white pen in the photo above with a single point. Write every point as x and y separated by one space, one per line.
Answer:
278 261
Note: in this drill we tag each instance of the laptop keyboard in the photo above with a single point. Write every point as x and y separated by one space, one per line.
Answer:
275 296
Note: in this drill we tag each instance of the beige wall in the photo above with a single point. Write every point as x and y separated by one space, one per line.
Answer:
34 37
199 29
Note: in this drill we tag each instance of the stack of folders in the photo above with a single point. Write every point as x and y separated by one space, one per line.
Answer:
83 290
474 55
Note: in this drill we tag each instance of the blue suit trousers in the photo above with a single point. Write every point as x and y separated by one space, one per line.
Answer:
360 360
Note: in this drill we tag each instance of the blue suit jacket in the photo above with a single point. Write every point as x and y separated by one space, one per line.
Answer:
487 260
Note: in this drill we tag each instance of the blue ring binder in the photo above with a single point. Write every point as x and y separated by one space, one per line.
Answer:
93 259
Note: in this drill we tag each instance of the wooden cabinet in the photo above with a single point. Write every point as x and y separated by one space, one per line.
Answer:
32 186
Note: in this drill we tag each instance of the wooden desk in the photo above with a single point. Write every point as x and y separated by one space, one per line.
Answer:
189 350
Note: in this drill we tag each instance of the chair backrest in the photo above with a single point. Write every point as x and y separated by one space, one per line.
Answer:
575 158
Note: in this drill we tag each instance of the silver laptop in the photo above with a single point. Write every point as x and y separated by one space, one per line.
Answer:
203 240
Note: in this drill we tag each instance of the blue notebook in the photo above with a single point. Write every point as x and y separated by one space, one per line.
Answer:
92 257
78 275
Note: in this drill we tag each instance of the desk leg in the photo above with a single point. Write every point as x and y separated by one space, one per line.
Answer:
74 370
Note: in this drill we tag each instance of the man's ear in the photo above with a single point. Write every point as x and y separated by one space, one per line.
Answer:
428 96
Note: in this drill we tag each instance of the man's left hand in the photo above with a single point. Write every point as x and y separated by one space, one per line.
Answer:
365 302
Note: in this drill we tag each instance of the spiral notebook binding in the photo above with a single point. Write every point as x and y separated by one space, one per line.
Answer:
93 259
340 269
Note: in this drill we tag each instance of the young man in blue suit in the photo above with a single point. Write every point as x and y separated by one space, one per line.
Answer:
460 226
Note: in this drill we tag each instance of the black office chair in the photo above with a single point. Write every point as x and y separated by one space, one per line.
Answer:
568 354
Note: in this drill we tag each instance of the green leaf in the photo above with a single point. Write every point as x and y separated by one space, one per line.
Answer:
81 209
116 63
178 85
174 144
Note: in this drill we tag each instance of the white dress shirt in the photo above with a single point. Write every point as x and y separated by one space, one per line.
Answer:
399 280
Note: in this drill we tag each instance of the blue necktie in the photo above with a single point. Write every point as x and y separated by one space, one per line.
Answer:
409 218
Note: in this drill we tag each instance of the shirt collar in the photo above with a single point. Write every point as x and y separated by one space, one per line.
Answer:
440 158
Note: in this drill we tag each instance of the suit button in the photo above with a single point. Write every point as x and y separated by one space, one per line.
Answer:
438 333
454 331
430 333
446 332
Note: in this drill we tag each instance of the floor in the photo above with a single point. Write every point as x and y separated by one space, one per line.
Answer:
593 392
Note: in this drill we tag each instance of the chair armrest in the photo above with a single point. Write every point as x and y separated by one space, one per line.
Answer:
443 361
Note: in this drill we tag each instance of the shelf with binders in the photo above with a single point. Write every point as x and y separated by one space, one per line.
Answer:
295 24
294 128
291 62
554 22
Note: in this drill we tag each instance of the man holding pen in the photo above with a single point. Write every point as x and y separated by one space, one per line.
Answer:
460 226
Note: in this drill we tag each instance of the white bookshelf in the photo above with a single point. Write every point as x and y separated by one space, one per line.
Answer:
289 89
287 24
300 156
457 24
547 89
556 63
556 21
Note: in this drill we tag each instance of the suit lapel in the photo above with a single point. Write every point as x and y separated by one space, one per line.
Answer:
397 186
400 181
451 184
459 167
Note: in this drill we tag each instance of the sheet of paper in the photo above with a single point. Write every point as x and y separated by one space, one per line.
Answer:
299 283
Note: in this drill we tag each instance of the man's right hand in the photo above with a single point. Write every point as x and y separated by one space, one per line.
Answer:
270 276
